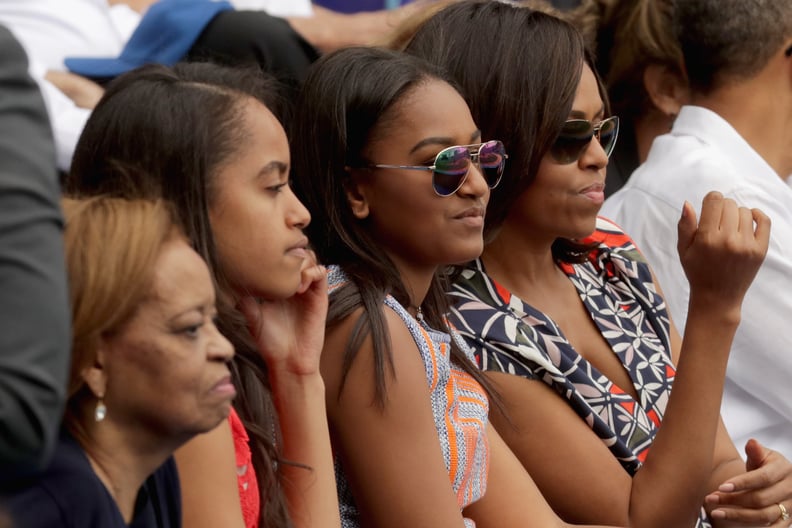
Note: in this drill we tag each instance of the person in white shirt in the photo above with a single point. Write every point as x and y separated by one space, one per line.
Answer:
735 137
51 30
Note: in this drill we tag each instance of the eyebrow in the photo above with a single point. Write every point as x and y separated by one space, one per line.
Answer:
577 114
202 308
444 141
273 166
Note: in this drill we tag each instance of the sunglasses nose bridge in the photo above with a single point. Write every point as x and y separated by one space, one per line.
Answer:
594 152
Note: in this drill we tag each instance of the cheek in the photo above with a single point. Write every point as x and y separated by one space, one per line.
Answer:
258 263
148 361
400 216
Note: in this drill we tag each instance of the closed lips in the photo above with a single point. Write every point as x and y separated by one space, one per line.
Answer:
302 244
472 212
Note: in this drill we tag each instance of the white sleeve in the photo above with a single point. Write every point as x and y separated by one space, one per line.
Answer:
66 118
761 358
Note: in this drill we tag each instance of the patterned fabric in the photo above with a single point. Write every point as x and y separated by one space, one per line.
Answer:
246 477
459 405
616 286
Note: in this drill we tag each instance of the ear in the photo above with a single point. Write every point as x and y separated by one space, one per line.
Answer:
668 90
788 55
356 196
95 374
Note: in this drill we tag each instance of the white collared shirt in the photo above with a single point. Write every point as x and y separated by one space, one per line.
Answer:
703 152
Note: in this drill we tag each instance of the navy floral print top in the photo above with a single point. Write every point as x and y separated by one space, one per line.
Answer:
616 286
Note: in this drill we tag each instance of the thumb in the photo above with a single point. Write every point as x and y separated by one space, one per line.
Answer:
755 454
686 228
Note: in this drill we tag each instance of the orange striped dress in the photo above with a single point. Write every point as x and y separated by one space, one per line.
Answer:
459 405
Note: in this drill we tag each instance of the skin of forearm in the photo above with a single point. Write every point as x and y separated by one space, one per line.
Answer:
327 30
310 490
138 5
678 469
721 473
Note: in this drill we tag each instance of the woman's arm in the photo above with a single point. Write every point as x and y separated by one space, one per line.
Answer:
207 475
512 499
571 465
391 455
290 336
757 485
310 492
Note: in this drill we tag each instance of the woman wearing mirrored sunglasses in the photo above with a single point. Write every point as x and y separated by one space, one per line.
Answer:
562 311
394 171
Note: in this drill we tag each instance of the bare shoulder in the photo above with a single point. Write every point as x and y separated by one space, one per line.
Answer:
404 366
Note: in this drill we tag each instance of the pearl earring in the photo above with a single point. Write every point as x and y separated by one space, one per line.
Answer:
101 411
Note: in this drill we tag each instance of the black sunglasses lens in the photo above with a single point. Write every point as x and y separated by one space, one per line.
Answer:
573 139
576 135
451 168
609 131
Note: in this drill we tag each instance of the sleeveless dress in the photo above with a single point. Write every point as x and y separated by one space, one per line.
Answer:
249 497
459 405
617 288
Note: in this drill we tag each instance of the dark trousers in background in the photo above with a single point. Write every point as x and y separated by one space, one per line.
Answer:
244 37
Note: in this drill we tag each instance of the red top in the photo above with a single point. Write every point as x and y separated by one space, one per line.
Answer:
246 477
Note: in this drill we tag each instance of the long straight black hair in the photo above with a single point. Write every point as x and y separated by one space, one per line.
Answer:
348 97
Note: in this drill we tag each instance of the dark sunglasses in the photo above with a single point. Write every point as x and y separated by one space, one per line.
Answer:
576 135
452 165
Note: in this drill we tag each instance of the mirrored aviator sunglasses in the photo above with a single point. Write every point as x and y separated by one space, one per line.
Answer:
576 136
452 165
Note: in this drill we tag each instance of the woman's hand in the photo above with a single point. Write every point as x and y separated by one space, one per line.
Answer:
82 91
752 499
723 254
290 332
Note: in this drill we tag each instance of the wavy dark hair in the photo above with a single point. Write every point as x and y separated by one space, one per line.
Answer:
350 97
518 69
164 132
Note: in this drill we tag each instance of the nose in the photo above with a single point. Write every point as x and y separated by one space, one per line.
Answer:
220 348
474 185
594 156
296 213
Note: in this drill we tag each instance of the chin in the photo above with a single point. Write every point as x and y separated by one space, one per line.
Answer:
584 229
278 288
464 256
210 420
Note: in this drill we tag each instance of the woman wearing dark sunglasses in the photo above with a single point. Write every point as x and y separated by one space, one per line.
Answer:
561 309
395 174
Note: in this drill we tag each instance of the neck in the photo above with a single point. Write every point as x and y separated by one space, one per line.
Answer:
518 261
123 458
417 280
760 110
654 123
